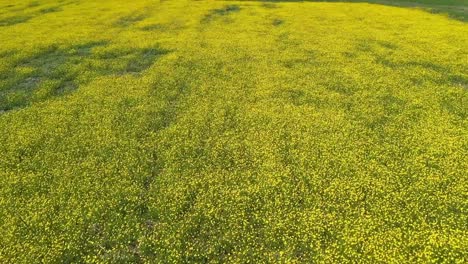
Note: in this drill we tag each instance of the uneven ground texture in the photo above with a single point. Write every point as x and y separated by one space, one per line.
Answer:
239 132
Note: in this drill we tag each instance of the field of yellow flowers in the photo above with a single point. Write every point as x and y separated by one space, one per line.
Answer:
185 131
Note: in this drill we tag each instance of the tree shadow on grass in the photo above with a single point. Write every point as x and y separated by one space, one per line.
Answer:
129 20
56 71
20 15
454 9
220 12
13 20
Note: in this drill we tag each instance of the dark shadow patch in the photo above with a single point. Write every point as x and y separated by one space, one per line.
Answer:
143 59
54 72
50 10
363 46
439 73
299 98
340 88
130 20
154 27
286 41
66 87
454 10
385 61
384 57
84 50
189 202
269 5
373 47
119 61
456 106
226 10
427 65
392 106
217 13
296 97
292 63
5 54
458 80
34 4
47 62
337 82
277 22
387 45
10 21
307 58
163 27
174 88
349 54
57 71
384 111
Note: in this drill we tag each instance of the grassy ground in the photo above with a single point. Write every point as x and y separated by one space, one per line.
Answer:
456 9
213 131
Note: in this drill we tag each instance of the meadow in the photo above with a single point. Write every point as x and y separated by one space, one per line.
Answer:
205 131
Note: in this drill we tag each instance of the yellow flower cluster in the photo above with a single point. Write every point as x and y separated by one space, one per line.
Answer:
233 132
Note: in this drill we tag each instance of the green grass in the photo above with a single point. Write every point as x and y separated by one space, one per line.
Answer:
233 132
